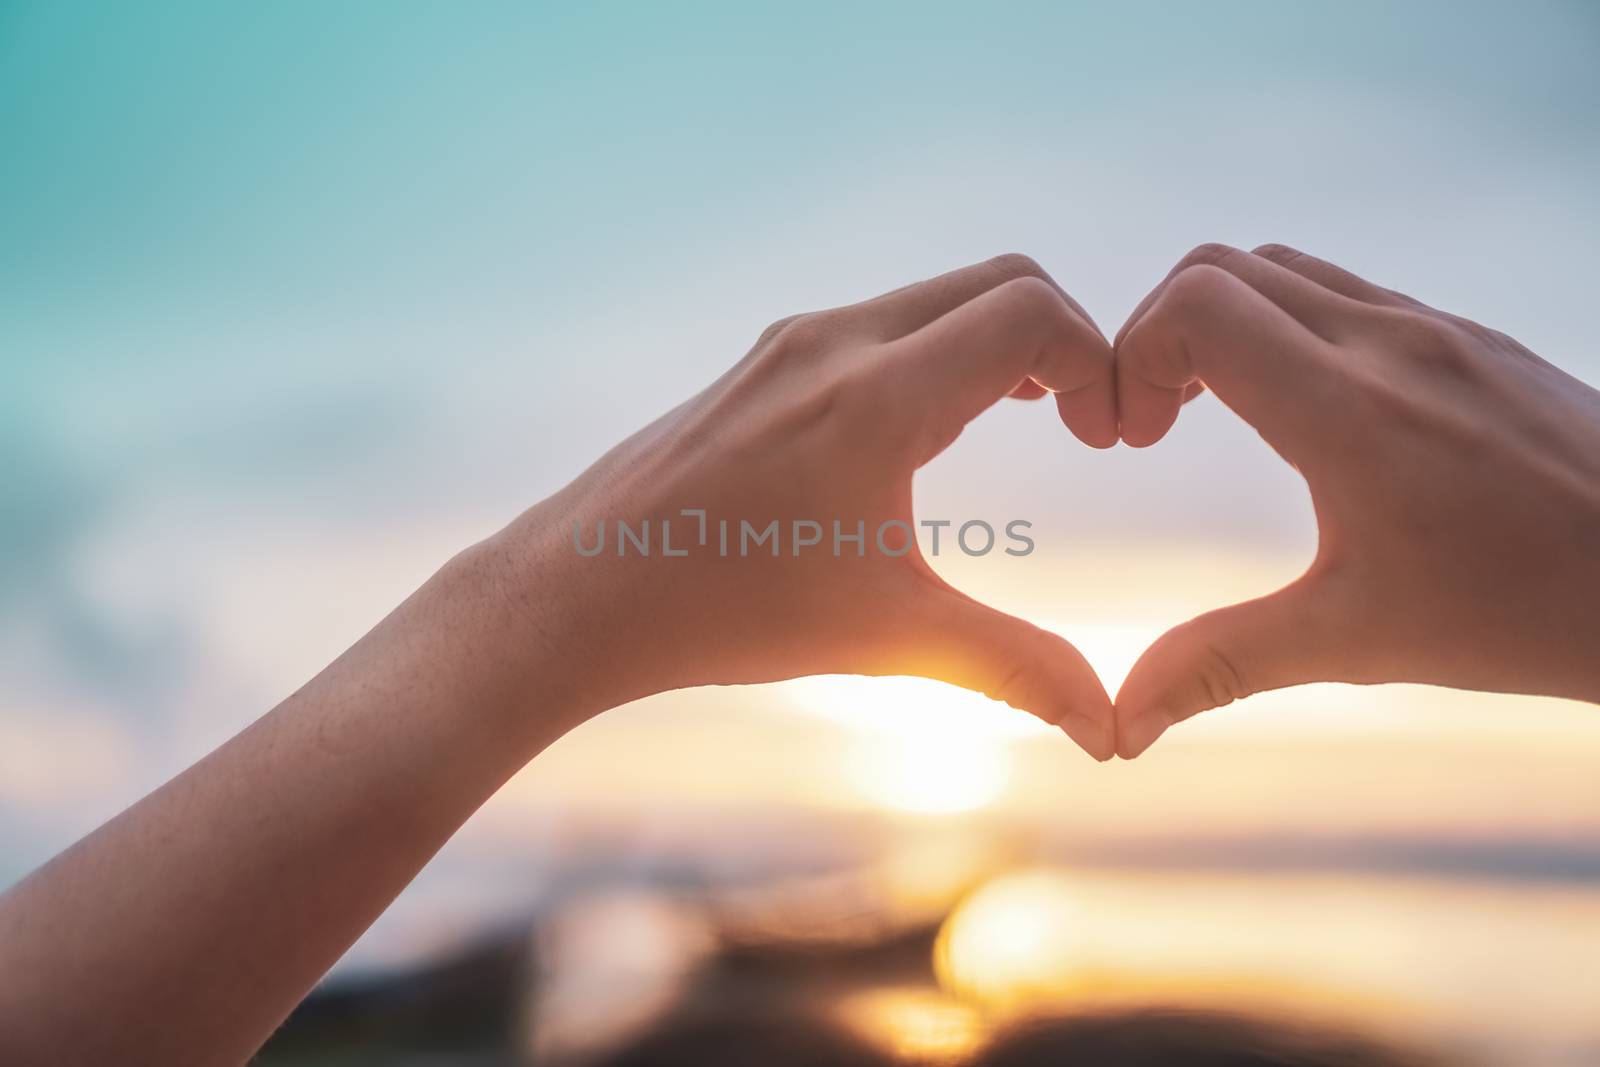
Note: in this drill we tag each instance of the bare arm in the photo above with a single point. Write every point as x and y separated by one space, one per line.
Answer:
185 929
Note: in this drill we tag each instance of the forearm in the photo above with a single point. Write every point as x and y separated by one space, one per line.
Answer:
185 929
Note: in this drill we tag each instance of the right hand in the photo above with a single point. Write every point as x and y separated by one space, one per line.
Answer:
1455 477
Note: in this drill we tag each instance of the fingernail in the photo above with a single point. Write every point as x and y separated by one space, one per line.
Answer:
1142 732
1089 735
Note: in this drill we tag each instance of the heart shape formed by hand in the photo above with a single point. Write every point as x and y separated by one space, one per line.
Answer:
1455 478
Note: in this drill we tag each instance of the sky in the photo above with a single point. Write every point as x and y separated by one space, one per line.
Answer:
297 300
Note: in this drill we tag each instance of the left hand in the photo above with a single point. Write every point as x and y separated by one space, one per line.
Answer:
824 421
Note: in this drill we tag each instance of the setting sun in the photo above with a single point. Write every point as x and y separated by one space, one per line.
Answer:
934 773
927 747
922 746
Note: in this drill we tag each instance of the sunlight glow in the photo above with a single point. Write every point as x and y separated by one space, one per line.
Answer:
1053 940
922 746
905 706
935 773
1111 648
1017 940
910 707
918 1025
928 747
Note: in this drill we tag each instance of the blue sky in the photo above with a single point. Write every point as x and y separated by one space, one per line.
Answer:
298 299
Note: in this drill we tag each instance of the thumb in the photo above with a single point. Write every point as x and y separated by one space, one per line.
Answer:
976 647
1216 658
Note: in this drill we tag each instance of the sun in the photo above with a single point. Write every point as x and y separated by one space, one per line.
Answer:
910 707
927 747
920 746
931 774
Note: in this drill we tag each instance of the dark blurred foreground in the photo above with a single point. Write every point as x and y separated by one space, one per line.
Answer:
771 1004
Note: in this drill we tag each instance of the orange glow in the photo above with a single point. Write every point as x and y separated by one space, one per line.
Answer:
1038 941
918 1025
1014 942
1368 954
921 746
931 773
909 707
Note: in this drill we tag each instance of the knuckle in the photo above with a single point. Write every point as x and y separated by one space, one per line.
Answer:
1219 675
1016 265
1194 288
1212 253
1156 346
1008 682
1280 254
1476 334
796 336
1495 337
1432 342
1031 295
771 333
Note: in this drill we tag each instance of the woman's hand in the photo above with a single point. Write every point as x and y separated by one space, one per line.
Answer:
1455 476
186 928
783 493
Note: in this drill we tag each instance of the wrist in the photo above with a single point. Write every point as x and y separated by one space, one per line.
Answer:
519 618
551 616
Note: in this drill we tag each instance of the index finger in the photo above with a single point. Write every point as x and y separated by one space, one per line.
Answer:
1209 325
966 360
909 308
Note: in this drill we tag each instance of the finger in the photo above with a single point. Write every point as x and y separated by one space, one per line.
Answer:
1324 312
1335 278
967 359
1276 641
905 310
1029 390
976 647
1168 411
1210 326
